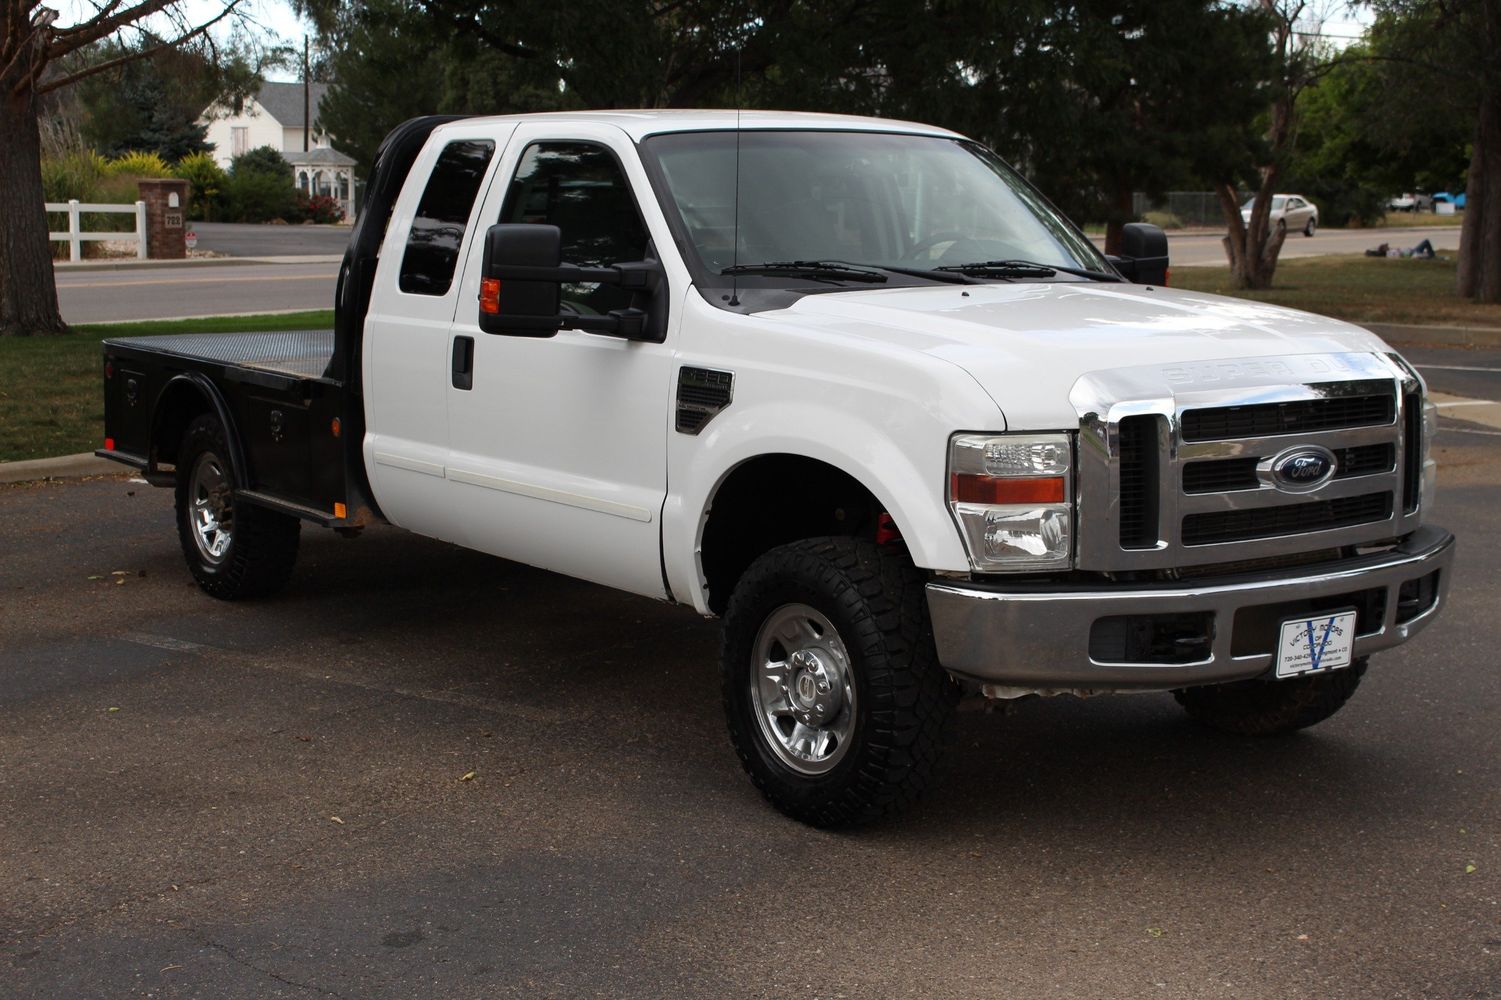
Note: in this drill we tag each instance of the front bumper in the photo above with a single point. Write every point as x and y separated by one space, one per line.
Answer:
1033 638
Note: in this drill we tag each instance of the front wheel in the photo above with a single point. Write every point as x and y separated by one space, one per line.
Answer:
233 549
836 703
1272 708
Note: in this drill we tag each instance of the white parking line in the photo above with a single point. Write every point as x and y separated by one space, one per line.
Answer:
1485 412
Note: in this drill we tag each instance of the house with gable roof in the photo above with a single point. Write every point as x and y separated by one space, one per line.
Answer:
276 116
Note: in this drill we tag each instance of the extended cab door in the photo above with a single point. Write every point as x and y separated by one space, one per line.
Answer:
558 445
417 288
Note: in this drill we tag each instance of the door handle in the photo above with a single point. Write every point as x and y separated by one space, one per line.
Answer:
463 362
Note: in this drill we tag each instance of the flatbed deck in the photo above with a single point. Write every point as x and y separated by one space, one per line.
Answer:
297 353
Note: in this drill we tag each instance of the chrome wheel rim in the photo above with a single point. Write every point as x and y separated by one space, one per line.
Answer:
802 689
212 512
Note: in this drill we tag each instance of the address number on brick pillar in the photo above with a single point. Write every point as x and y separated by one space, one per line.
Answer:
166 207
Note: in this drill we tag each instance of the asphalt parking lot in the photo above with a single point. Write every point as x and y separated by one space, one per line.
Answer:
424 772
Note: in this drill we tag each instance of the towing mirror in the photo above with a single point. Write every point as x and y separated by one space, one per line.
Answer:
1143 258
521 288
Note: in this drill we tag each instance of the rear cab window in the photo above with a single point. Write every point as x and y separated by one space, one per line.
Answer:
437 233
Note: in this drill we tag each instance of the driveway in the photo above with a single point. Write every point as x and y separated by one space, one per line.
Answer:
425 772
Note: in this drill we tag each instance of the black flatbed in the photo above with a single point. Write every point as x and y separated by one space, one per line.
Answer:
296 353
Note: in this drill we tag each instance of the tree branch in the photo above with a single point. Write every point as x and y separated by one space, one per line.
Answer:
103 24
72 78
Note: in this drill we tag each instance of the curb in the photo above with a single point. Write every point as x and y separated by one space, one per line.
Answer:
1443 336
66 467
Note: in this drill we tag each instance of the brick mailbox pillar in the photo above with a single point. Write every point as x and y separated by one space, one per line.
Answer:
166 218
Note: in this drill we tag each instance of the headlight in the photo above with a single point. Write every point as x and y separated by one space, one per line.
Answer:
1012 496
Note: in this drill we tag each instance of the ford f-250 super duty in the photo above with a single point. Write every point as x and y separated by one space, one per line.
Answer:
852 385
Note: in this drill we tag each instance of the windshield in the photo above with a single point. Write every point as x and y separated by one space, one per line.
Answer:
1277 202
877 199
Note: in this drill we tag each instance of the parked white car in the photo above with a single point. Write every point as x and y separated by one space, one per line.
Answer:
1409 202
1289 211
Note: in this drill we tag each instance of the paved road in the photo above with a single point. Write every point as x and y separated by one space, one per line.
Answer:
197 290
266 799
207 290
240 240
1200 249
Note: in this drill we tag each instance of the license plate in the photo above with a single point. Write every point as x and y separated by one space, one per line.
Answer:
1314 645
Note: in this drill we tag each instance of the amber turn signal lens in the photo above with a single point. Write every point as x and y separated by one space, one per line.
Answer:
489 296
335 427
968 488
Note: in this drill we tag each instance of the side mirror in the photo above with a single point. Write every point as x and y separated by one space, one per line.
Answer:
521 279
1143 258
513 305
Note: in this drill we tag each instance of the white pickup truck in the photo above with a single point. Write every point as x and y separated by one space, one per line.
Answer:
852 385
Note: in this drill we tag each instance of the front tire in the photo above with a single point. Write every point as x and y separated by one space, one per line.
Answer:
1272 707
836 703
233 549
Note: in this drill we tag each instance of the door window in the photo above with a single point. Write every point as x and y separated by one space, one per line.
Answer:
580 188
432 250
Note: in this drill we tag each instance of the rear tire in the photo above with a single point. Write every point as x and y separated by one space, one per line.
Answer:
1272 708
836 703
1311 228
233 549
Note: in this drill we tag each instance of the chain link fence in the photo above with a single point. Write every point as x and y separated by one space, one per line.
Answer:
1181 208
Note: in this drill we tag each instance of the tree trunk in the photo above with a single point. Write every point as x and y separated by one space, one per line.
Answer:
1251 249
28 289
1480 238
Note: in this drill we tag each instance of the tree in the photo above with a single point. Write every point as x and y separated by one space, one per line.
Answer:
1088 96
1434 52
1365 134
33 62
1253 246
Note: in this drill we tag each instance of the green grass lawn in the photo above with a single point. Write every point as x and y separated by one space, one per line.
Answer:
51 392
1359 289
1398 220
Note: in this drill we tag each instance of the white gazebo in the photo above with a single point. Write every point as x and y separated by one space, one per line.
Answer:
325 171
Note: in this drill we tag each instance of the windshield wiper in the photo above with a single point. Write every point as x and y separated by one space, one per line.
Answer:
816 270
937 274
1024 269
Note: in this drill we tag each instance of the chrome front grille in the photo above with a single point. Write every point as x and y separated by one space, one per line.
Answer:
1176 463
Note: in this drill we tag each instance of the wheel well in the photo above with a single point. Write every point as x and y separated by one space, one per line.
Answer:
179 405
773 500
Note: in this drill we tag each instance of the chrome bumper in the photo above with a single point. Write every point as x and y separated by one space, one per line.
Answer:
1035 638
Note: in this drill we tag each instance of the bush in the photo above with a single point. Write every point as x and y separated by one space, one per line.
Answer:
138 164
262 160
252 196
208 180
320 208
76 175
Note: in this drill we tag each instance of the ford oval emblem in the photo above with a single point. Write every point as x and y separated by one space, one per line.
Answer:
1300 470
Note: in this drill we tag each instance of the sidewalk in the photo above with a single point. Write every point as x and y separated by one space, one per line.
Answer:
66 467
131 264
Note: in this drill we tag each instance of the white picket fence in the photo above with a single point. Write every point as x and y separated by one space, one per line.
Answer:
75 236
